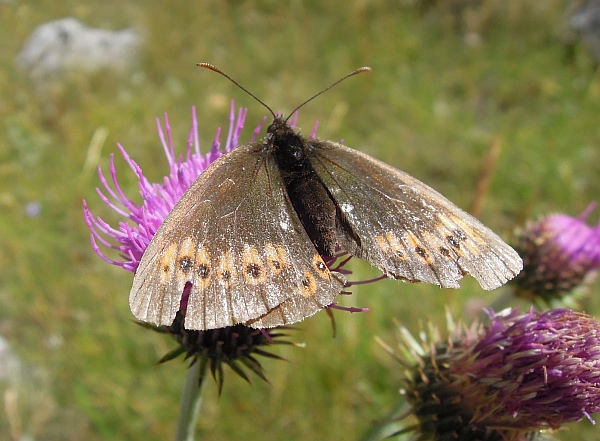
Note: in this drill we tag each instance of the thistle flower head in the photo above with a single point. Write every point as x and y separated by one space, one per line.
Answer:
520 374
236 346
560 253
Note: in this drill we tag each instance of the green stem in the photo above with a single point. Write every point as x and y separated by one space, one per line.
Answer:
191 398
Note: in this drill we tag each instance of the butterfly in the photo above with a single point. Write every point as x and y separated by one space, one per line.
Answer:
246 241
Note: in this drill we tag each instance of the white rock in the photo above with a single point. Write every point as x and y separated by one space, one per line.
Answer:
586 21
67 44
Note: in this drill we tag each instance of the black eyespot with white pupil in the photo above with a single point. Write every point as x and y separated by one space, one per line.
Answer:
186 263
253 270
421 252
445 252
203 271
453 241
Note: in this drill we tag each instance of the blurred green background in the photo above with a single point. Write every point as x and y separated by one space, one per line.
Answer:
450 80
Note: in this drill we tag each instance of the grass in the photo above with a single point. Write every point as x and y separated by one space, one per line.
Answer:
432 106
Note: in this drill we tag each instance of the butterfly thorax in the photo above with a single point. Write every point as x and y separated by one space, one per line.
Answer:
309 196
288 147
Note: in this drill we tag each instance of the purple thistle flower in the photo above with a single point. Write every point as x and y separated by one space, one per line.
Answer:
520 374
560 253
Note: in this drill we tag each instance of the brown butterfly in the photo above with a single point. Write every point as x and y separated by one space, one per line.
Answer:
247 237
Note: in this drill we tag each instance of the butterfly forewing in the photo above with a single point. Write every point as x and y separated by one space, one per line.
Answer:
405 228
236 242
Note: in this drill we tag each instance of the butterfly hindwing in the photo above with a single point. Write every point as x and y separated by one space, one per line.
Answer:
405 228
236 243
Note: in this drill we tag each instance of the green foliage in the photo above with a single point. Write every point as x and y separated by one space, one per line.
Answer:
446 84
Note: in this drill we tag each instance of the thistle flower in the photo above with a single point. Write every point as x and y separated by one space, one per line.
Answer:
234 346
509 380
560 254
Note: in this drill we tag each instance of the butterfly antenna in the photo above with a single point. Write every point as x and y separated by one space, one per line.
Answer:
351 74
219 71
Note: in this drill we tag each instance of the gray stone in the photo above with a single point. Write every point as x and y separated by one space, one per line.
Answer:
585 20
67 45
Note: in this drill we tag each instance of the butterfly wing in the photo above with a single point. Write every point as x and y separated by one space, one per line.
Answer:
235 244
405 228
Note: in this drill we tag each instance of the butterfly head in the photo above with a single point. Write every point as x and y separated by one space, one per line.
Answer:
279 128
287 145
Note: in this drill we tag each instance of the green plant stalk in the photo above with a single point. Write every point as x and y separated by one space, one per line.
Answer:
191 399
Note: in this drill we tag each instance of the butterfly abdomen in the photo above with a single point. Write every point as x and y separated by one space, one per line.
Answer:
316 211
